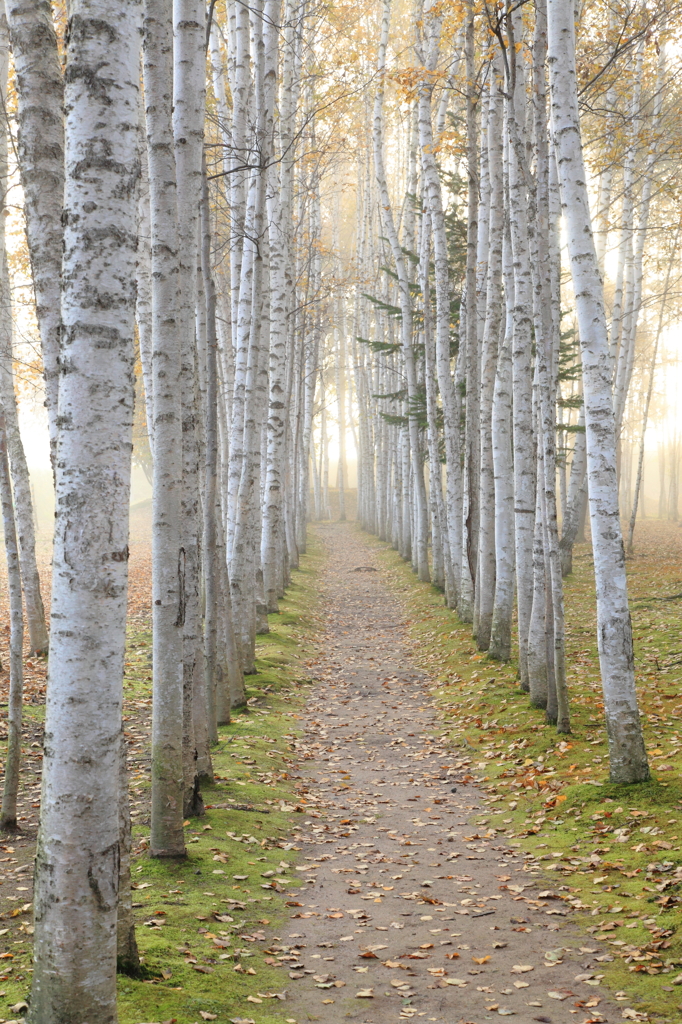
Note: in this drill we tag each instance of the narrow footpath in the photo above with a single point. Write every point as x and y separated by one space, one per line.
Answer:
410 909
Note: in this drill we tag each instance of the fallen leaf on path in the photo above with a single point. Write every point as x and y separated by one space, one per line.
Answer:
480 959
522 968
563 994
365 993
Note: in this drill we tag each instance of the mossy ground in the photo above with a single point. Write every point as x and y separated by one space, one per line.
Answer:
251 764
613 851
195 966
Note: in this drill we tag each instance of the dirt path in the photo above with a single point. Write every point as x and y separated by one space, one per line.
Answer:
410 909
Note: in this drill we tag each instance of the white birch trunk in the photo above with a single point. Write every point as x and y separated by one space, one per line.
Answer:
524 445
77 859
40 94
8 814
501 630
189 68
486 564
23 502
143 306
127 955
451 400
622 286
168 560
547 337
628 761
421 550
469 331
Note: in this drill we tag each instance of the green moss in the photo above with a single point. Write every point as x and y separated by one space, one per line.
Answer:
251 762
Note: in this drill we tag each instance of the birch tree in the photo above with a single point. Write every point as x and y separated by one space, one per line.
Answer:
416 462
627 755
77 860
168 558
40 102
8 814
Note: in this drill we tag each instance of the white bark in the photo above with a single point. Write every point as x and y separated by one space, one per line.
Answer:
547 336
213 676
35 612
189 67
143 307
168 560
624 271
485 576
628 759
8 814
77 859
40 90
421 551
469 333
437 504
278 205
451 400
23 502
501 630
524 445
127 956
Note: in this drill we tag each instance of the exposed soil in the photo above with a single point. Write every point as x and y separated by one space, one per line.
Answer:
410 908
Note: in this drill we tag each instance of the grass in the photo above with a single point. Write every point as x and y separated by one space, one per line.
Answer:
612 853
181 902
202 921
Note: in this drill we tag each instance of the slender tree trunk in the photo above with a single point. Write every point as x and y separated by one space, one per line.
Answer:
577 489
628 761
501 631
469 327
189 69
209 547
438 519
127 955
524 445
485 577
23 500
421 538
538 676
649 393
40 96
8 815
547 336
168 556
451 399
77 858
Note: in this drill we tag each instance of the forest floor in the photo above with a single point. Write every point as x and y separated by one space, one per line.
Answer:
541 896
